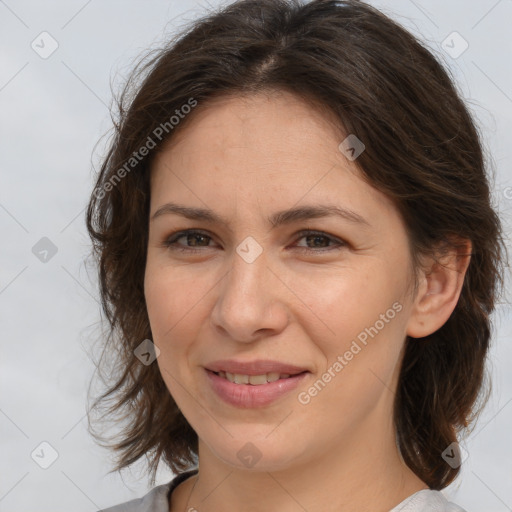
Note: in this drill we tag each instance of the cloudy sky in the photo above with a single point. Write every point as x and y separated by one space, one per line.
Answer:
58 62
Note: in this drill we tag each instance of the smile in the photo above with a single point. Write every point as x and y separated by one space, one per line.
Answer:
255 380
250 391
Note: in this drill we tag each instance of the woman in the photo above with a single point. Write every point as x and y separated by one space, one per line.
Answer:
298 258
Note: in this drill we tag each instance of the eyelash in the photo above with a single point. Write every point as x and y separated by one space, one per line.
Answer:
171 244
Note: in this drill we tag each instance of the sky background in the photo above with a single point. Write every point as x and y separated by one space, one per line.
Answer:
54 116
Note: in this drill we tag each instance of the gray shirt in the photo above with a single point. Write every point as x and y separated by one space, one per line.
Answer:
157 500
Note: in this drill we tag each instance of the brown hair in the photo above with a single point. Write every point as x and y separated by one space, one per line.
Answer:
423 151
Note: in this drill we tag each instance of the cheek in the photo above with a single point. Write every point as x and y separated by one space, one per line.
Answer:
346 302
173 304
364 316
170 299
164 309
365 382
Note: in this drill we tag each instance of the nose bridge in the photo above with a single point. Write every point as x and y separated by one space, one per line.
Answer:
248 269
248 296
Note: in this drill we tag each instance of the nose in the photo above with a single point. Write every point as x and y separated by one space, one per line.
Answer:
251 301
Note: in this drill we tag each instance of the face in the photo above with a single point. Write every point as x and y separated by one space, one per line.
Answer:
326 293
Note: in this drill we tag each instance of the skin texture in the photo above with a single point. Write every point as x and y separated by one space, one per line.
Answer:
246 158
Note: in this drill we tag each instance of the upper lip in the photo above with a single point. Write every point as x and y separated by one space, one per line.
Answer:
256 367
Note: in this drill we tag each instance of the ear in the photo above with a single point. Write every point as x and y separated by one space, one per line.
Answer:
439 289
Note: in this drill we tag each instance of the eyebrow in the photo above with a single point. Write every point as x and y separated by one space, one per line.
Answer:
276 219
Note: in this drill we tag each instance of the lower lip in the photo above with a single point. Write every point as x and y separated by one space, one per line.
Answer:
247 395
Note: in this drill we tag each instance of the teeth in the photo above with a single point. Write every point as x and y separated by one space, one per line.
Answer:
240 379
255 380
258 379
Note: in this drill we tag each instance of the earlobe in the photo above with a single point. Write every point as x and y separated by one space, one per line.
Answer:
439 290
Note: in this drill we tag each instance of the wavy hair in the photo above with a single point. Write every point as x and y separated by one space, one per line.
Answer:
423 150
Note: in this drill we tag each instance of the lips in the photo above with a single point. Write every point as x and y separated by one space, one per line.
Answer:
243 395
257 383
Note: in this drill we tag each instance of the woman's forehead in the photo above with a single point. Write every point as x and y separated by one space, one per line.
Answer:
255 119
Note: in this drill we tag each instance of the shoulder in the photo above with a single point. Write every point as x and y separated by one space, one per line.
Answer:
156 500
427 501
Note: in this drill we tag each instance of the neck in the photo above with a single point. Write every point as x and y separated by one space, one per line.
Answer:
360 474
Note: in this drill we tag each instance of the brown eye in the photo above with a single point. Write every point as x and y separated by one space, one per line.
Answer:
319 241
195 238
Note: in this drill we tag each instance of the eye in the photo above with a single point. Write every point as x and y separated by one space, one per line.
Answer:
202 239
315 236
198 239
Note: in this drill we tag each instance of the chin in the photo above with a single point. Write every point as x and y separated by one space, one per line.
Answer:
256 453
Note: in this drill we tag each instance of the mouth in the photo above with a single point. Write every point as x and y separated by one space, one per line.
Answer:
253 391
255 380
